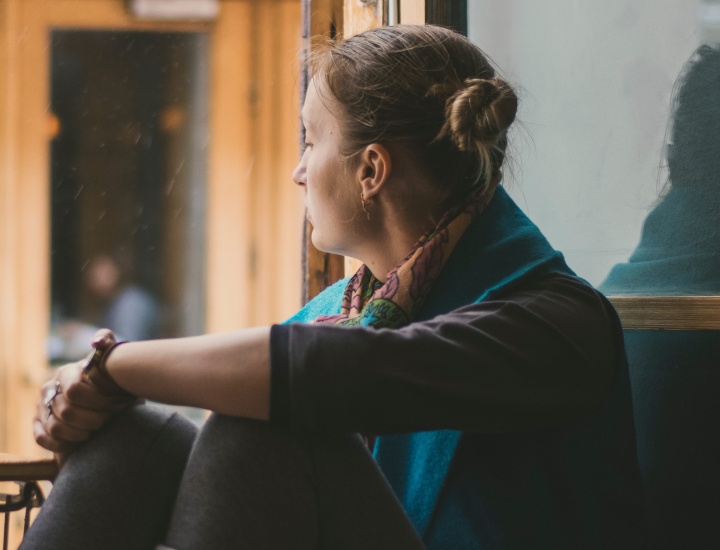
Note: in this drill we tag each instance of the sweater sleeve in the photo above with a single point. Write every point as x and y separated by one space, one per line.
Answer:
541 357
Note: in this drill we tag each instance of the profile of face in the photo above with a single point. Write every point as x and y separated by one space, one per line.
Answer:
332 196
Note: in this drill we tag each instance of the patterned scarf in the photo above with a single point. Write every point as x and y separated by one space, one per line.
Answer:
368 302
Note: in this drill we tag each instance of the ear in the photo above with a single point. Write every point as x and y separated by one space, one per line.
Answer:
373 169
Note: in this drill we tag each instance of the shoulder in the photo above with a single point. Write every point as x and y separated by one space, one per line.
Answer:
556 309
326 303
573 299
564 301
553 292
564 293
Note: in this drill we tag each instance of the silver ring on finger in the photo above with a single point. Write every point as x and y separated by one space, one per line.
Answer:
49 401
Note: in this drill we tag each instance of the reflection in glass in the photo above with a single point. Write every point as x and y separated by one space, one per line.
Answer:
675 375
597 88
128 185
679 250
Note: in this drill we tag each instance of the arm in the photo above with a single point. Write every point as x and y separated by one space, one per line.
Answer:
227 373
537 358
541 357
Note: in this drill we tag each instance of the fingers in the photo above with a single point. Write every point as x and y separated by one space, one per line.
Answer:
57 435
50 434
104 339
78 391
58 428
69 411
77 418
47 441
71 408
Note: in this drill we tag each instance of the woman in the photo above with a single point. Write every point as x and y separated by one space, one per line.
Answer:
493 378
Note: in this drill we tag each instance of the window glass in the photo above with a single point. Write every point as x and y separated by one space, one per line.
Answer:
617 157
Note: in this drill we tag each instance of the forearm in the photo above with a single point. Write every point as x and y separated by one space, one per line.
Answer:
228 373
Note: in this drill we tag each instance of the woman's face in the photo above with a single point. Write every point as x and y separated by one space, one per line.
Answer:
332 197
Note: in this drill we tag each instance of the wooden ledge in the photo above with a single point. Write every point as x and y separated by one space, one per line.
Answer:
668 312
17 468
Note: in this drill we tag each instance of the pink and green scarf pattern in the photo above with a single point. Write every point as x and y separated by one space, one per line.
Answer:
368 302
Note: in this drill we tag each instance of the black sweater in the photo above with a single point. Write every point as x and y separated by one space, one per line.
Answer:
541 357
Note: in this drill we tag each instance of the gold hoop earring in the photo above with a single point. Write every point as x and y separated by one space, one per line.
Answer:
364 205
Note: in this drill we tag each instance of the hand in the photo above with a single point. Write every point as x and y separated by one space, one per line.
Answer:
71 407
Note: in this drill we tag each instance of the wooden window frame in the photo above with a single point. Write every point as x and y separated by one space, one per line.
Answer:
668 312
330 17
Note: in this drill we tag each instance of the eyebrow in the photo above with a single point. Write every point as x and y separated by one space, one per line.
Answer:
305 122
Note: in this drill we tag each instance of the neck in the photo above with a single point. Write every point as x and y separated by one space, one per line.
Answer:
406 208
393 238
380 264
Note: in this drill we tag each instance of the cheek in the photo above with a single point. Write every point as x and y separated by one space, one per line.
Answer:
327 180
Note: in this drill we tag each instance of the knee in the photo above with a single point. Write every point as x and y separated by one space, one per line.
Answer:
140 432
231 432
158 424
227 442
235 440
219 425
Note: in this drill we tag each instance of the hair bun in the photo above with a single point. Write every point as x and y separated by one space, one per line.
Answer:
479 113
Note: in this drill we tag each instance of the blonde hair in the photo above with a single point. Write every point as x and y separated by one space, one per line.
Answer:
428 87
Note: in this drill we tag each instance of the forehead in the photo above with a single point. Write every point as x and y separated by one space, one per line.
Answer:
317 112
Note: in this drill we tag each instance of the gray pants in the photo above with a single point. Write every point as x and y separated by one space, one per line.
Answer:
148 479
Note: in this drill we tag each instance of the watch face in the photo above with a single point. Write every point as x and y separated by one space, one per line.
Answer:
92 360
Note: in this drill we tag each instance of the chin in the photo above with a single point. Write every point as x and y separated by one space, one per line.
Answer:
323 245
318 242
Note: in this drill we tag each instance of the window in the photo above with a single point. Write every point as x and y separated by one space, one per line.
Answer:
598 115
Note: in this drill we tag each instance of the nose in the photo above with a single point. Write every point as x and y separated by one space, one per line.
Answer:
300 173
